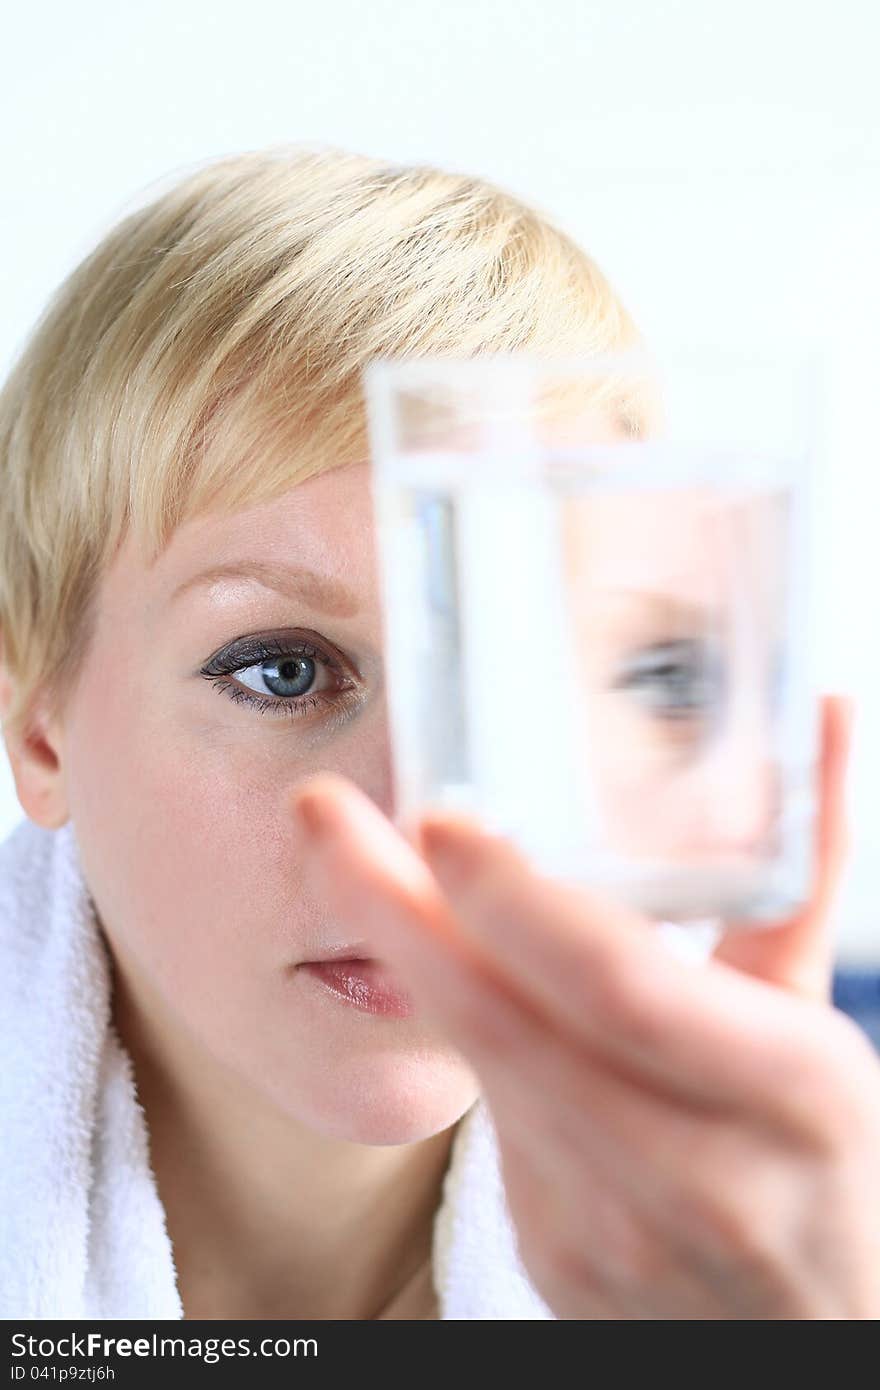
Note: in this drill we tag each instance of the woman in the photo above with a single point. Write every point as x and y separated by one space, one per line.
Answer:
191 650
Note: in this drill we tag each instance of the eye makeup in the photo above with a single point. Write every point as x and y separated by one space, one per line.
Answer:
674 679
283 661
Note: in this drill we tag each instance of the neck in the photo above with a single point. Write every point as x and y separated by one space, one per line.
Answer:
267 1218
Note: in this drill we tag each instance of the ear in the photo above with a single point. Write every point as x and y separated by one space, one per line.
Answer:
35 756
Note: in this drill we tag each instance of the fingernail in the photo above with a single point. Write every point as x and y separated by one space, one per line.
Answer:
312 815
454 852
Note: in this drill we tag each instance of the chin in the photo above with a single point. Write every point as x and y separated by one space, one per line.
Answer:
396 1101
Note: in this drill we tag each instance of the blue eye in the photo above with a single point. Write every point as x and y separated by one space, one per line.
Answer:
674 680
286 670
286 676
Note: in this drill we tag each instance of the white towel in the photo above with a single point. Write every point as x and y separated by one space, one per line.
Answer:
82 1228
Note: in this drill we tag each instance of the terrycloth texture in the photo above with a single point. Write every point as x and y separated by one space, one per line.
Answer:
82 1229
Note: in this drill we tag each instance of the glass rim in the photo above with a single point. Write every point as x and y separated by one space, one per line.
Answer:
709 360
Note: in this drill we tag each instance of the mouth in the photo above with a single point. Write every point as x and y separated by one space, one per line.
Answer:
350 975
343 950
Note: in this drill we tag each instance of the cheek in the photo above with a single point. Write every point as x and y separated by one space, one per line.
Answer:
188 847
170 846
188 842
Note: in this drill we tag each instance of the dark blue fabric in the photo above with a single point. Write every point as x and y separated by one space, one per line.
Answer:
857 993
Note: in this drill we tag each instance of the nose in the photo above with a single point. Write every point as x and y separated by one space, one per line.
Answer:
372 766
362 754
384 795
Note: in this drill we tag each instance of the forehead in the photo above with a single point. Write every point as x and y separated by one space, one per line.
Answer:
323 525
675 538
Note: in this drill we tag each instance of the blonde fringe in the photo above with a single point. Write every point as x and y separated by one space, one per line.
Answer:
207 356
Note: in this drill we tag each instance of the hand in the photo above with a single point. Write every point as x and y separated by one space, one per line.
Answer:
675 1142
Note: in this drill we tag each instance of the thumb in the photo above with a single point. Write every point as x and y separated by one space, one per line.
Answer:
798 952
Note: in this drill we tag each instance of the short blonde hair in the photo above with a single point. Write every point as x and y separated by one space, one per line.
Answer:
207 355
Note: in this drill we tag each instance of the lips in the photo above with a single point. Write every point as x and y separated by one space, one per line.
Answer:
360 980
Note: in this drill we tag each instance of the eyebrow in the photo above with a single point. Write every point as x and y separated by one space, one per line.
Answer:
315 590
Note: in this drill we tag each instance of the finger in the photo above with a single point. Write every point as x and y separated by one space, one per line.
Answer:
372 878
549 1089
797 952
588 964
597 965
369 876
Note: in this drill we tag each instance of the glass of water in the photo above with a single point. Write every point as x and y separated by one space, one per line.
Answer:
596 577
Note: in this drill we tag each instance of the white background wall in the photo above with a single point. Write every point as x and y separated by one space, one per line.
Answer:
721 161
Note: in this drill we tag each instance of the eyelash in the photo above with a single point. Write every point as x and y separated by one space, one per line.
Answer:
655 667
260 650
655 664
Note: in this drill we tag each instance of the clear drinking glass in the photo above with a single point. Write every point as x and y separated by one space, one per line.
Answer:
596 585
